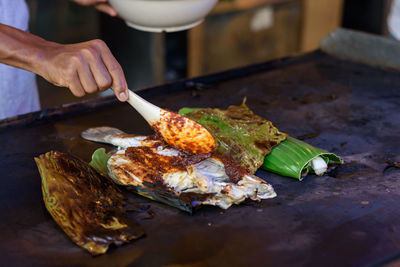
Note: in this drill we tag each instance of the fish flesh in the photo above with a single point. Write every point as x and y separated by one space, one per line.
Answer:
181 179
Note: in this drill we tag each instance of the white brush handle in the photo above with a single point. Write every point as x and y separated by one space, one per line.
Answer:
150 112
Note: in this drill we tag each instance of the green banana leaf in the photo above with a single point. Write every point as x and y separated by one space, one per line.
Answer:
292 158
99 161
185 111
239 133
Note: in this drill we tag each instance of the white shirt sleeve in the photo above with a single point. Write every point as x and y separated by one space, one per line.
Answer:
394 19
18 90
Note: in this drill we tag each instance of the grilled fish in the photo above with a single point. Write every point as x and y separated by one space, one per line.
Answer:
184 180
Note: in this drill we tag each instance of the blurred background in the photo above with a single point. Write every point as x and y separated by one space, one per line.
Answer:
236 33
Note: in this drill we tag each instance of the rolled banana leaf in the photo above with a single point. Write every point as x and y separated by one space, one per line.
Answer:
293 157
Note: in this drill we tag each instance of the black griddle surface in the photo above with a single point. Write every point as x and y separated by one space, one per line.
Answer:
348 217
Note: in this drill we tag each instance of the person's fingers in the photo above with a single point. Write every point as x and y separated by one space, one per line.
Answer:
75 86
99 71
86 77
119 84
101 75
89 2
106 8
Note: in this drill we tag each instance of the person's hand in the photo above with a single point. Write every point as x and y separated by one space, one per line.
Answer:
83 68
101 5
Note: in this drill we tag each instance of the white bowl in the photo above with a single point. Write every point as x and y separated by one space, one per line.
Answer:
163 15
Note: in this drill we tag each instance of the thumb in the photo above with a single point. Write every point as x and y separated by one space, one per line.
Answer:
106 8
121 94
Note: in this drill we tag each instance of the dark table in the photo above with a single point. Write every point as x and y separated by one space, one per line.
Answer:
349 216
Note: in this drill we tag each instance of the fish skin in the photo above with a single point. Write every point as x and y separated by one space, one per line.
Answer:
205 177
113 136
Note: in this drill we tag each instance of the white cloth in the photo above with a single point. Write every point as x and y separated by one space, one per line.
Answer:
18 89
394 19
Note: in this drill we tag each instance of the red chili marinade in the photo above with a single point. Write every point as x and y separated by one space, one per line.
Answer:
160 164
180 133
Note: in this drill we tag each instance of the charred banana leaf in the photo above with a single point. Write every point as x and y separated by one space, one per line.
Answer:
250 139
86 205
239 133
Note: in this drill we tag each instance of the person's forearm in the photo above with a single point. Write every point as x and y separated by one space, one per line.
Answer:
21 49
85 67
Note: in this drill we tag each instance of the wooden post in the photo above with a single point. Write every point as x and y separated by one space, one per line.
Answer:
158 57
195 51
320 17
